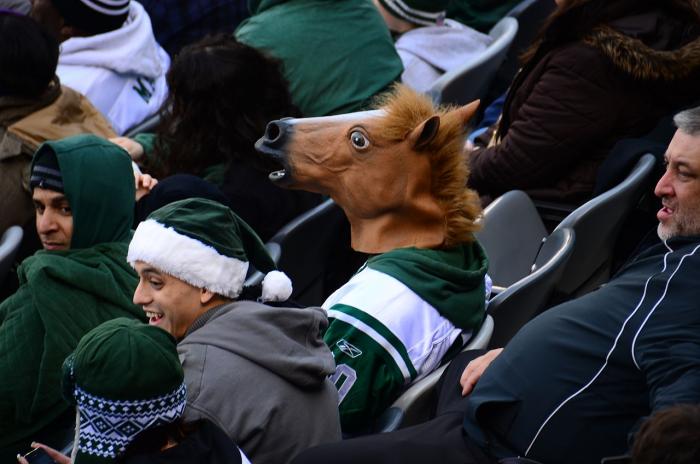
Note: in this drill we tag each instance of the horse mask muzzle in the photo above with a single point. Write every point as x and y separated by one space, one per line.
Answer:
272 143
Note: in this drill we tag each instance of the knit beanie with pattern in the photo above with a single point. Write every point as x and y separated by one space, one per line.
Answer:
421 12
94 16
125 377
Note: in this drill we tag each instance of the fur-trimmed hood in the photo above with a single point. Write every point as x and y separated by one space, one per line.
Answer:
656 45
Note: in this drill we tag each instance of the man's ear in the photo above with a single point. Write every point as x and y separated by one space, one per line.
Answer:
205 296
424 133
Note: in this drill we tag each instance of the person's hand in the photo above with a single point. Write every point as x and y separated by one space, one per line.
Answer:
144 184
474 370
132 147
469 146
53 454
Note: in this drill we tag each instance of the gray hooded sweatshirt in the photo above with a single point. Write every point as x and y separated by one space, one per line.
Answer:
260 373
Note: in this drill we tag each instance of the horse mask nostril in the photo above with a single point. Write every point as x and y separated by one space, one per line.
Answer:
275 133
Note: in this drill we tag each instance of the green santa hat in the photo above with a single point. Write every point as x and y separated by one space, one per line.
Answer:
421 12
125 377
205 244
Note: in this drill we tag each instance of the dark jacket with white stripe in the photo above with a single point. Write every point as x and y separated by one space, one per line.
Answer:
575 381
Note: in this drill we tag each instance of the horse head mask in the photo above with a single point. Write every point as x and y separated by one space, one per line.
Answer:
398 172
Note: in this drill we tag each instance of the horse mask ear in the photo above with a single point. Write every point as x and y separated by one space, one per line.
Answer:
424 133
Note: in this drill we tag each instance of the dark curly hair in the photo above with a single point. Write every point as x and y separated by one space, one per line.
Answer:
28 56
222 94
670 436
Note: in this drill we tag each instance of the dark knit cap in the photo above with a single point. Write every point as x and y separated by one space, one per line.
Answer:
46 173
421 12
94 16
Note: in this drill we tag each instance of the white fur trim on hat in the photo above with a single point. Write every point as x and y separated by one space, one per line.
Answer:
276 286
187 259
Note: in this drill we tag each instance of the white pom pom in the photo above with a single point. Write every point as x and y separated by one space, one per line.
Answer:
276 286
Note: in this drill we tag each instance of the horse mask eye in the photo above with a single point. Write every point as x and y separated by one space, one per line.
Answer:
359 140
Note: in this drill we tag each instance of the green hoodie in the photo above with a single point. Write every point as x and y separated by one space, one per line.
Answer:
397 319
64 294
337 54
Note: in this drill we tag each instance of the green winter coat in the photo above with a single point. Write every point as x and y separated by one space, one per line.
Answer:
337 54
64 294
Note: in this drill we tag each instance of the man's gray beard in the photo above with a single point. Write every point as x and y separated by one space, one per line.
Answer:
663 232
678 229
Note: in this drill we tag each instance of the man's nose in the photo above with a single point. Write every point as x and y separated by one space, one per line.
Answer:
663 186
140 297
46 222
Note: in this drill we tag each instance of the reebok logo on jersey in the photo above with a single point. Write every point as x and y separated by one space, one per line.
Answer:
348 349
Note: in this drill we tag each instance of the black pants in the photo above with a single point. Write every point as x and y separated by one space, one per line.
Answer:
441 440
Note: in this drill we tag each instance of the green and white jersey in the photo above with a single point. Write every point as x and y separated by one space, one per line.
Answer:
383 337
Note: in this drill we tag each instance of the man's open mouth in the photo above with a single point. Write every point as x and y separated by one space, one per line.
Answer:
154 317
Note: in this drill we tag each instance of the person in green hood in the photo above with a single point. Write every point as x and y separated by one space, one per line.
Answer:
337 54
83 191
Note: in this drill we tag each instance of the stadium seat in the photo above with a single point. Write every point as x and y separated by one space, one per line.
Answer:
520 302
314 251
416 403
9 245
597 224
471 81
511 234
147 125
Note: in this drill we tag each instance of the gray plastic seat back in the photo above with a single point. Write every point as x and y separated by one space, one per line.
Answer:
313 248
472 80
511 234
597 225
525 299
9 245
416 403
147 125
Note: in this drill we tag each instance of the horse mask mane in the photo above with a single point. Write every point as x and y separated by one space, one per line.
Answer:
398 172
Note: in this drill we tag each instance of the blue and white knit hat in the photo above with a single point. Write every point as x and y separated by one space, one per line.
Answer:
125 377
94 16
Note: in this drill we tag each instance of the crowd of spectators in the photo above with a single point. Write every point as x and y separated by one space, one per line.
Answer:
132 336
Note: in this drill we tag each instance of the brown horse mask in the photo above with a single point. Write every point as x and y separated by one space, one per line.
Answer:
398 172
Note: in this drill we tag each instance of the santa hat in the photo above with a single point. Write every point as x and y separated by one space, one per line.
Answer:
205 244
421 12
125 377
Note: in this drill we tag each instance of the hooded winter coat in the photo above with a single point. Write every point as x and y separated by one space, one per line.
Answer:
576 97
25 123
397 319
336 54
122 72
65 294
260 373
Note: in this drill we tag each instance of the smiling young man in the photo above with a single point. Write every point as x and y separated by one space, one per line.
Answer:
574 384
260 372
83 193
